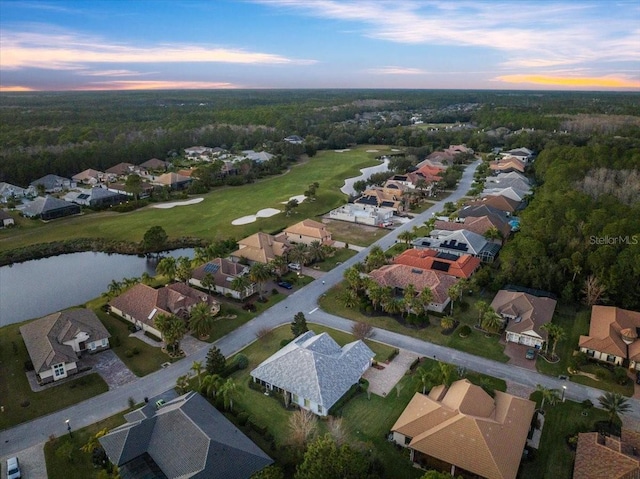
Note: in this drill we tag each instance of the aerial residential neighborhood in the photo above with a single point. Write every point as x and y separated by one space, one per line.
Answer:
393 308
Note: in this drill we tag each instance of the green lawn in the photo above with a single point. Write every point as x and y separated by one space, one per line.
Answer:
20 402
340 256
211 218
554 459
476 343
351 233
60 466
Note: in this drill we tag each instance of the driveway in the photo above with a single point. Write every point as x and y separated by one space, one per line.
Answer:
32 463
110 367
516 353
382 381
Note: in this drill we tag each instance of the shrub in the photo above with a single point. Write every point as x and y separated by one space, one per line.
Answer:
414 364
393 354
241 361
602 374
620 375
249 307
135 350
284 342
274 291
464 331
243 417
28 365
128 353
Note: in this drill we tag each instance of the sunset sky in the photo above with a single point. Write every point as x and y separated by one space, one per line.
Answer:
154 44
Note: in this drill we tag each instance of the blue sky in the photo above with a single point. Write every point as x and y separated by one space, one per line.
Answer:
155 44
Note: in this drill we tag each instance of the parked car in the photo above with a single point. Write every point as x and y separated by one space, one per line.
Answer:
295 266
160 403
285 284
13 468
531 353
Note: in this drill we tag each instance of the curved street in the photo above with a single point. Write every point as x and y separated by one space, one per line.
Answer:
114 401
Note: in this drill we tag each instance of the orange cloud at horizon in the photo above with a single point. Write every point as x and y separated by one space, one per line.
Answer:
14 88
156 85
606 82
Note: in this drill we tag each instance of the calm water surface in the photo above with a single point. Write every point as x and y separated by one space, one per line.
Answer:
36 288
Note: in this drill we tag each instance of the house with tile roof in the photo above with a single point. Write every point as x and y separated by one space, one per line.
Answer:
524 315
613 336
122 169
478 209
477 224
49 208
507 165
458 243
458 266
307 231
56 342
390 197
155 164
173 180
261 248
462 430
313 371
498 202
185 438
362 214
399 276
599 455
89 177
222 272
142 304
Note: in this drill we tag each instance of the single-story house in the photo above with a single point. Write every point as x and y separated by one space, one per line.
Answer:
459 266
313 371
506 180
399 276
197 151
613 336
49 208
525 315
523 154
510 192
505 206
185 438
257 156
481 208
53 183
462 430
382 198
477 224
55 342
7 191
507 165
223 272
155 164
294 139
141 304
307 231
599 455
261 248
362 214
173 180
459 243
6 219
122 169
95 197
89 177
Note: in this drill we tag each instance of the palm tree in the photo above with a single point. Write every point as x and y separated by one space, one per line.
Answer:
549 395
559 335
492 234
229 390
208 282
453 292
374 292
409 299
425 379
114 288
354 280
447 322
145 278
482 307
279 264
491 321
316 252
425 297
260 273
201 319
184 269
375 259
167 267
211 385
349 298
393 306
406 236
614 404
241 284
196 367
299 253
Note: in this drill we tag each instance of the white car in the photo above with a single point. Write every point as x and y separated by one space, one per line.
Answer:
294 266
13 468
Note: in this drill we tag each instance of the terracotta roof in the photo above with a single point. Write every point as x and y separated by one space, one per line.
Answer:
400 276
144 303
154 164
186 173
500 202
171 179
87 175
120 169
460 267
507 164
476 224
607 323
45 337
533 311
464 426
600 456
261 247
309 228
380 197
222 270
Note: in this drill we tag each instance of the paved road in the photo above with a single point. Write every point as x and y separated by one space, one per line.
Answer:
112 402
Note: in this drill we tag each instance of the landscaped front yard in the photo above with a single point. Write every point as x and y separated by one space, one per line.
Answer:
19 401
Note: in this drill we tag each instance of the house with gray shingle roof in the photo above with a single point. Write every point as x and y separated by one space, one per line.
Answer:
56 342
54 183
458 243
313 371
48 208
185 438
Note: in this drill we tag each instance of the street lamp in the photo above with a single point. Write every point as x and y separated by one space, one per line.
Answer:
69 428
564 388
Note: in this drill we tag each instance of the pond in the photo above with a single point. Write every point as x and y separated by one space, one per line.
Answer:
36 288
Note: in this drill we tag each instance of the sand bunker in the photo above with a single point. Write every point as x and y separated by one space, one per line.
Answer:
264 213
342 151
166 206
298 198
372 151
